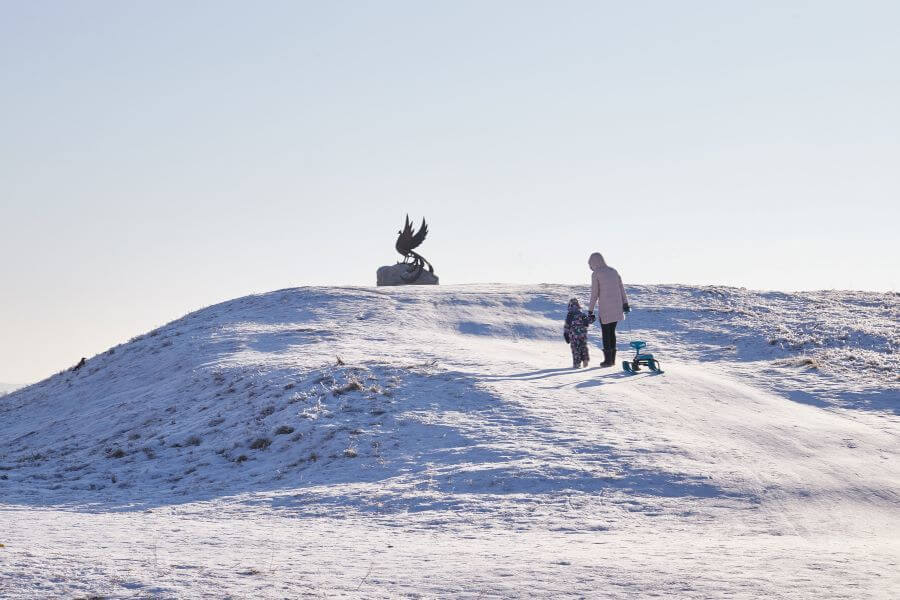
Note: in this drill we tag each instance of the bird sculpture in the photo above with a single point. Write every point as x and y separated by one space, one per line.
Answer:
406 243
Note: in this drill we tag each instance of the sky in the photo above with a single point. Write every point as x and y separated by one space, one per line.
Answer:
159 157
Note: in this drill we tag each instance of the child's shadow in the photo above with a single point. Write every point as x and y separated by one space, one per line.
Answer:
606 378
615 376
601 380
532 375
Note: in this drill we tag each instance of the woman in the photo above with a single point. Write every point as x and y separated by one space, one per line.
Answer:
608 293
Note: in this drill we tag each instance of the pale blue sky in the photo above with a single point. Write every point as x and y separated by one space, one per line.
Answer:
157 157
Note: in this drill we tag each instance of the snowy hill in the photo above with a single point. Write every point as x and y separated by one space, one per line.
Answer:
432 441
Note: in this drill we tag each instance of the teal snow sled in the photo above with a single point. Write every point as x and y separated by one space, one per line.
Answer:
645 359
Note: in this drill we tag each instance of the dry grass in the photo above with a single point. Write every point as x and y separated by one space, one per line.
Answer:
260 443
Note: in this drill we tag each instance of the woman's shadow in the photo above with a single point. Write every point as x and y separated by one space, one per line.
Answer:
606 377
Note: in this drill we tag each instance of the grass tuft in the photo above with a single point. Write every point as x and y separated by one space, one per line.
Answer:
260 443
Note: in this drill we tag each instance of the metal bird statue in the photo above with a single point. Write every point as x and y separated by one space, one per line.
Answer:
406 242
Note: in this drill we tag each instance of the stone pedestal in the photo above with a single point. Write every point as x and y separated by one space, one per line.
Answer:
401 274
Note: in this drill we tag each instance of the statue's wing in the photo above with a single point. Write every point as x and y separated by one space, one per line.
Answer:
420 235
405 240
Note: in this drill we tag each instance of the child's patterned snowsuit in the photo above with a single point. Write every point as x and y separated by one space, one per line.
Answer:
575 332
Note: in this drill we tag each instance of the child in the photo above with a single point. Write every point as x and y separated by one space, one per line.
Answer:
575 333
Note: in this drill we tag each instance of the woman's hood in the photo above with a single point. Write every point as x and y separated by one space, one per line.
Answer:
596 261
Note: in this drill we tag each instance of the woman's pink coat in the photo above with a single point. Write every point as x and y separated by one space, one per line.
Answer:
607 290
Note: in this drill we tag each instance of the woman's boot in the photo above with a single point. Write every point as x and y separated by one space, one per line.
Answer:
606 362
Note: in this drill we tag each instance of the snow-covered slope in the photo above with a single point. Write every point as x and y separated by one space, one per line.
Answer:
439 430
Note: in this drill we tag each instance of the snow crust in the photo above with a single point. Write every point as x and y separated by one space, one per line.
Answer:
431 442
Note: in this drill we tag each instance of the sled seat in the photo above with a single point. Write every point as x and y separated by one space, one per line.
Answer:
637 345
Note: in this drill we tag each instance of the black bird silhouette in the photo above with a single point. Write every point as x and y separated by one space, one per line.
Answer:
406 242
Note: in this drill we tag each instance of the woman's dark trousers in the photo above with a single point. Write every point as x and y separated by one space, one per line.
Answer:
609 342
